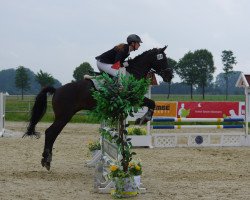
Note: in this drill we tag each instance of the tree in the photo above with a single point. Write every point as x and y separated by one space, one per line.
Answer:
79 72
171 63
228 61
116 100
203 59
187 70
22 80
220 83
44 79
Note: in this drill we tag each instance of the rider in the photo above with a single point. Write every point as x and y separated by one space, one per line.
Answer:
113 59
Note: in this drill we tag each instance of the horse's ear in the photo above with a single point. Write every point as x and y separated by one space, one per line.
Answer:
164 48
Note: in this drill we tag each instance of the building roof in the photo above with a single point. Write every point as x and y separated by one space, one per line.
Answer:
243 81
248 78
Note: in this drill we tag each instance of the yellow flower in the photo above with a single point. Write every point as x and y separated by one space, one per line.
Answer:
130 164
113 168
137 167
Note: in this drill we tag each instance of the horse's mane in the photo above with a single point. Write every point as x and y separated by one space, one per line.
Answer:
144 53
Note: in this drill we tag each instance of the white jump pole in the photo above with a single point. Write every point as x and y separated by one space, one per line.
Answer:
2 113
247 108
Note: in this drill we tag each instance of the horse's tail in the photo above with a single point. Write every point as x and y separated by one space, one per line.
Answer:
38 110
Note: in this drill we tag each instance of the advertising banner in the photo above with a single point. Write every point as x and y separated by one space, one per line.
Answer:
165 109
210 109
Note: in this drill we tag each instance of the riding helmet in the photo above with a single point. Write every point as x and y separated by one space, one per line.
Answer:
133 38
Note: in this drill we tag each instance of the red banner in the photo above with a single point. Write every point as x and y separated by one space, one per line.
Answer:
209 109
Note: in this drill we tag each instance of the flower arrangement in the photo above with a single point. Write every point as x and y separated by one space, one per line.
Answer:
127 183
137 131
135 168
116 171
94 145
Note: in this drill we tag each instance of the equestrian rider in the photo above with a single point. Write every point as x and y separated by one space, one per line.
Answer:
111 60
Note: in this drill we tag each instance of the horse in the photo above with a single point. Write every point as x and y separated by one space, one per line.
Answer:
75 96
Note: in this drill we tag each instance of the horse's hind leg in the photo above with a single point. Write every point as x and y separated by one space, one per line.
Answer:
50 136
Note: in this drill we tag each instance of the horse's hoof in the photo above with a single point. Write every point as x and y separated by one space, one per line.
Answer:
37 135
137 121
144 121
45 164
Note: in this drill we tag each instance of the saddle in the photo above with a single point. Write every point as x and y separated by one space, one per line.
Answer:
92 77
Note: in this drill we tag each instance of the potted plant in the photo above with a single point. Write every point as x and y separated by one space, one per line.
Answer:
116 99
135 170
94 147
139 137
125 185
137 131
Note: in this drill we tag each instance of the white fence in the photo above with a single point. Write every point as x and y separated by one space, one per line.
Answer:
2 113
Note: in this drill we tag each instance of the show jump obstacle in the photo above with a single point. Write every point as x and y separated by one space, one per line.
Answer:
235 131
108 155
186 139
244 82
2 113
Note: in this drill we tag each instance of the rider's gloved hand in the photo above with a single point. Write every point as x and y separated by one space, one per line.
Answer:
116 65
125 64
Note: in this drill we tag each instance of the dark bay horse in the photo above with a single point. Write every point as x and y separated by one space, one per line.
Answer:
76 96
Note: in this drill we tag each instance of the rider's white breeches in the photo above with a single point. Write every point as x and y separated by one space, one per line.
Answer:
107 68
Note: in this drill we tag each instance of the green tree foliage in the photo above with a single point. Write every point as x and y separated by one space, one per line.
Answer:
117 98
22 80
7 82
44 79
220 83
228 60
176 88
203 60
187 70
171 63
79 72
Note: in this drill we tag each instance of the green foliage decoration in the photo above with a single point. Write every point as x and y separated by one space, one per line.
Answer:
117 99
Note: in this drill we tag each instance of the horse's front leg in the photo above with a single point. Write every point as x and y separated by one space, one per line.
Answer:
148 115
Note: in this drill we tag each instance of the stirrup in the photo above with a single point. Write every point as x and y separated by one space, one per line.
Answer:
86 76
94 73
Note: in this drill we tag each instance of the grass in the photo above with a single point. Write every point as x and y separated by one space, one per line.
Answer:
163 97
18 109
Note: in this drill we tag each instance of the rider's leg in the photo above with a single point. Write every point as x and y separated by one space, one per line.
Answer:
107 68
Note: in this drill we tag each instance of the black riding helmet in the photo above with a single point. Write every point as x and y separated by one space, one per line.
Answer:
133 38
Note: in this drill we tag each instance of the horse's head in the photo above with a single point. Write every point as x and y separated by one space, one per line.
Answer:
160 65
155 59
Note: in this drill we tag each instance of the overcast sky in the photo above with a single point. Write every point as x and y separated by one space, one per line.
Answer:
56 36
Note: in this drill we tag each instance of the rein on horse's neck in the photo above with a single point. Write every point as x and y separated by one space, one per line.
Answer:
141 64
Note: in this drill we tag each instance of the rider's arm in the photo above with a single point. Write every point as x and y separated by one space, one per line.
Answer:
121 55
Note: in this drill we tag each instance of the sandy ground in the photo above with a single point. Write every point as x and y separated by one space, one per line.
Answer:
172 173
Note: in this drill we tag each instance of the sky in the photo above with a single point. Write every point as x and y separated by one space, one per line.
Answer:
57 36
